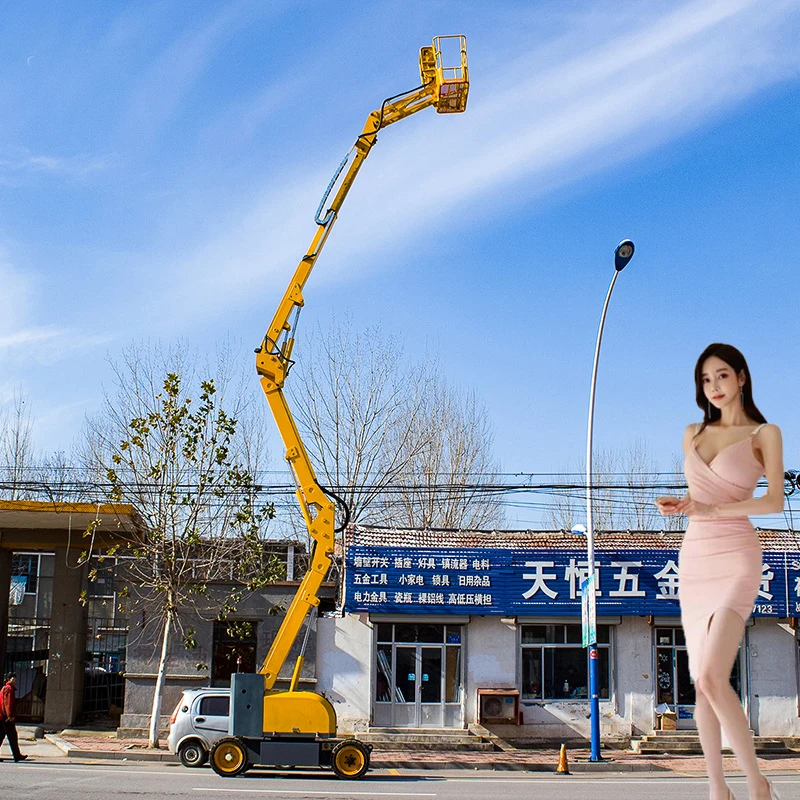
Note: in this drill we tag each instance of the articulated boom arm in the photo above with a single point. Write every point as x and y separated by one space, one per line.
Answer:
445 88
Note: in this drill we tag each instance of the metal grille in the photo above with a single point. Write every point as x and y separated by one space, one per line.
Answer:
28 655
104 680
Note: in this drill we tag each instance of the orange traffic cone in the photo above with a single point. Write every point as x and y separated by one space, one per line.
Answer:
563 766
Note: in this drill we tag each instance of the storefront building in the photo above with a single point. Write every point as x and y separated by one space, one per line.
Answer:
442 629
59 629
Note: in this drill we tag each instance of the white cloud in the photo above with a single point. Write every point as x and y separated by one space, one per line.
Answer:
23 343
14 290
29 336
600 97
156 97
45 344
22 162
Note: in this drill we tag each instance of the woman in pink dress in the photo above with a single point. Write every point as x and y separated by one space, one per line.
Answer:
720 558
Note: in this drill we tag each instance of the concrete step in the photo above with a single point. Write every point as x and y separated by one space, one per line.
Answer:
423 731
425 739
687 742
466 747
675 734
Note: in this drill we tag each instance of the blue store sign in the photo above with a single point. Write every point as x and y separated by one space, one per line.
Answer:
530 582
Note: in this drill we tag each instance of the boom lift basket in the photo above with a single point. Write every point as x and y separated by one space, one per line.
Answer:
452 82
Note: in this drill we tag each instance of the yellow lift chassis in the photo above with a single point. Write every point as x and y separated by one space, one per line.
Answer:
298 728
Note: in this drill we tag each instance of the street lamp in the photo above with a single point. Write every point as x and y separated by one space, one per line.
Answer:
622 255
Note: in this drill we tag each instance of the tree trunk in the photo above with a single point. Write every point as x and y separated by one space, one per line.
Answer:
159 690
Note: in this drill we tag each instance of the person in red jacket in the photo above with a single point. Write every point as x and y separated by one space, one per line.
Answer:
8 715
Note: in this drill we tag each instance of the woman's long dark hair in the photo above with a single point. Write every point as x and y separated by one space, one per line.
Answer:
735 360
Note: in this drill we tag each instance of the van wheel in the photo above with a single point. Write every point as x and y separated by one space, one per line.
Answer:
192 754
229 757
350 759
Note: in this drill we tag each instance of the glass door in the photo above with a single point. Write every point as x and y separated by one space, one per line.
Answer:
418 687
418 676
406 680
674 686
430 712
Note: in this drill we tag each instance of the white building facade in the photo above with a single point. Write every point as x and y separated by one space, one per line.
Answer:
442 629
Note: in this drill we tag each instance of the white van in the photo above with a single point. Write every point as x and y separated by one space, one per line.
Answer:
200 719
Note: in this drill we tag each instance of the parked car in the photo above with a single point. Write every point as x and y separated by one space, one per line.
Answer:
198 721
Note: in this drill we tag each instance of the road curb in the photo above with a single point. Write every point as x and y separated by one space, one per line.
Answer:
505 766
62 744
71 751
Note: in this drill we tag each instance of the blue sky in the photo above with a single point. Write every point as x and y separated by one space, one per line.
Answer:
160 165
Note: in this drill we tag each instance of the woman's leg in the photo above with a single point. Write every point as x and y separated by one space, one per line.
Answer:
710 733
708 727
720 648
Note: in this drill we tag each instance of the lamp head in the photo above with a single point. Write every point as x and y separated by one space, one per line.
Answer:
623 254
579 530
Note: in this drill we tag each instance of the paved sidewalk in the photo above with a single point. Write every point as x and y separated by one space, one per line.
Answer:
545 760
35 749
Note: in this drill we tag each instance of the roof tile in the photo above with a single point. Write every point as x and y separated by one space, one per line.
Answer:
373 535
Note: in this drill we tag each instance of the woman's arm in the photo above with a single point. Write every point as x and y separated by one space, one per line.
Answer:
667 504
770 443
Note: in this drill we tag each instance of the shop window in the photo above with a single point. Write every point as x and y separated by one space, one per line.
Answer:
452 674
383 679
555 664
670 636
101 580
384 631
797 667
26 565
100 588
405 632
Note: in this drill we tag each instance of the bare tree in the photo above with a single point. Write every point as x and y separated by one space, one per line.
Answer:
58 479
16 449
28 474
358 409
403 446
449 482
188 468
623 499
638 467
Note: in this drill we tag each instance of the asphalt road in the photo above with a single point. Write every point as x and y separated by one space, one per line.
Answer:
70 781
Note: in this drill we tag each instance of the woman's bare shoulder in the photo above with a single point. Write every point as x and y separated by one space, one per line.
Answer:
768 432
688 437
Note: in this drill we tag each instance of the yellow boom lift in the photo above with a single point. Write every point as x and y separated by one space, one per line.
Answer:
272 727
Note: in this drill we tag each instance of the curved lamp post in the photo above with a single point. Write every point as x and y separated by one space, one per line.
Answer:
622 255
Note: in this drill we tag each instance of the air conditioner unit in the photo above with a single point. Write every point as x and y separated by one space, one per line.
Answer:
498 706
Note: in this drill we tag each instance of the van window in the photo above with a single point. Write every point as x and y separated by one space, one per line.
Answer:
215 706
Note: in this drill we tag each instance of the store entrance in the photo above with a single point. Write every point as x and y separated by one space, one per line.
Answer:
674 684
418 687
418 676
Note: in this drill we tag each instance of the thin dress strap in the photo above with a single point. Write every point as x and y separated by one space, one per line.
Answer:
753 433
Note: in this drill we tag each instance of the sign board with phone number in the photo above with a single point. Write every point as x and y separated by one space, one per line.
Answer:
417 580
